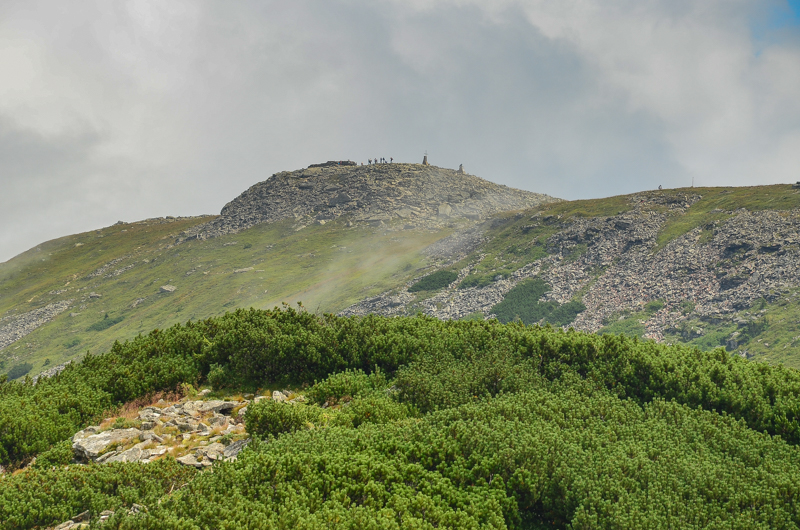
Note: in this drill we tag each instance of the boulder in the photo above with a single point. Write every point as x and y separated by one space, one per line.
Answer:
89 446
233 450
218 419
134 454
168 289
149 415
214 451
192 460
214 405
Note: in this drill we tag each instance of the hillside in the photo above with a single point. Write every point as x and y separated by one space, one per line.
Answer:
300 241
435 399
711 267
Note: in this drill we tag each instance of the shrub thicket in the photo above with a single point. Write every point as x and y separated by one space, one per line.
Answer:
434 282
522 303
455 424
271 418
476 280
570 457
258 347
46 497
347 384
19 370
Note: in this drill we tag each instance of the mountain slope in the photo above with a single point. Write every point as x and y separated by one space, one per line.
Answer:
85 291
707 266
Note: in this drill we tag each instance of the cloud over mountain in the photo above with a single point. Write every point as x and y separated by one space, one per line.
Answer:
143 109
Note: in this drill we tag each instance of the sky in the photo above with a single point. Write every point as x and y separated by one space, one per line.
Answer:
134 109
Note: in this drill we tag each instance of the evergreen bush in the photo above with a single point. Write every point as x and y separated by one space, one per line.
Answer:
434 282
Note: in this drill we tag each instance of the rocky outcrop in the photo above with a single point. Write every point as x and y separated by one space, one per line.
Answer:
401 195
89 444
196 432
13 328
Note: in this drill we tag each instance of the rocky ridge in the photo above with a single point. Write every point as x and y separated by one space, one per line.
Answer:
720 269
395 195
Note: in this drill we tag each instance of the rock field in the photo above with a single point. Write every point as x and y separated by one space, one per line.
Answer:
721 268
14 327
400 195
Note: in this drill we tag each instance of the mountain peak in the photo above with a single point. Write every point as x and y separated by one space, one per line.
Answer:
396 195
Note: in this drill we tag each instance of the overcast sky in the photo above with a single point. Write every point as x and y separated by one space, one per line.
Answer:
128 110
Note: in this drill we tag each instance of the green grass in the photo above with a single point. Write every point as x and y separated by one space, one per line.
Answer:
780 341
631 324
326 267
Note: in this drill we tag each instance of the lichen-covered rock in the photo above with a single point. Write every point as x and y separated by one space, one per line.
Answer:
89 446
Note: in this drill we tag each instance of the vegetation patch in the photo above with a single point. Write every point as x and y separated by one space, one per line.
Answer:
523 303
476 280
104 324
69 344
434 282
19 370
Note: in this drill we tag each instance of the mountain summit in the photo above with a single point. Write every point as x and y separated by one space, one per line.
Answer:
396 195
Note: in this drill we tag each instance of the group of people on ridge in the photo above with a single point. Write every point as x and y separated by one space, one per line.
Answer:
379 161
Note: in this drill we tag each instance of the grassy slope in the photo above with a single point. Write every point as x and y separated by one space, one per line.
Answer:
326 267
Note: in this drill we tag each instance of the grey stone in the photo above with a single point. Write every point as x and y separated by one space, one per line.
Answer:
149 415
89 446
152 436
233 450
218 420
15 327
134 454
168 289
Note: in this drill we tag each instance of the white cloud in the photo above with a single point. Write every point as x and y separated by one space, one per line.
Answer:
149 108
